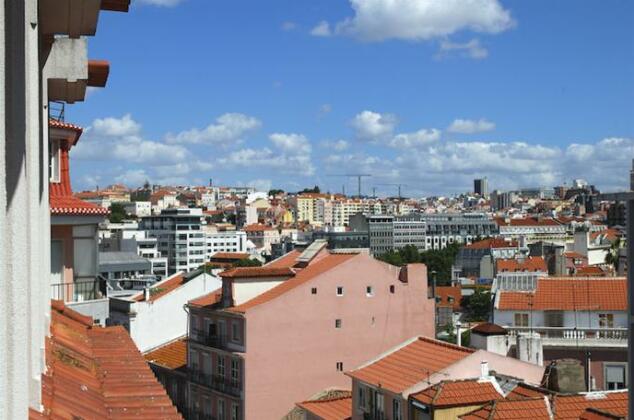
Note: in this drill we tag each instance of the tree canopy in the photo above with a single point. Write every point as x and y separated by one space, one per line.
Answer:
117 213
436 260
478 305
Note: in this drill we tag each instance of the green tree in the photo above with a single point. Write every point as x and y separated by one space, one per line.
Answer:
117 213
275 192
315 189
247 263
612 256
478 305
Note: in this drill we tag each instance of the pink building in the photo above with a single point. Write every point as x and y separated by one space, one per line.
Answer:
283 332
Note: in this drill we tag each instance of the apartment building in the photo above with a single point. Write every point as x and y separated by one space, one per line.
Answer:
389 232
280 333
139 242
533 229
226 241
180 237
138 208
478 258
262 236
463 228
519 274
573 317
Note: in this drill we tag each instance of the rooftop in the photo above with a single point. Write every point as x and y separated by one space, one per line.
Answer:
94 372
458 393
572 406
329 409
490 243
172 355
528 264
569 293
530 409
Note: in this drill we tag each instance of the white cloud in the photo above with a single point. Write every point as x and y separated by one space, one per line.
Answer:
336 145
292 144
465 126
373 126
111 126
288 26
415 139
132 178
321 29
228 129
163 3
472 49
416 20
261 184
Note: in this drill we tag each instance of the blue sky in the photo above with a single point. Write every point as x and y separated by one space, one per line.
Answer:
428 93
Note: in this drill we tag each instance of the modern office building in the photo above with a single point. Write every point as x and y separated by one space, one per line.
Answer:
481 187
443 229
180 237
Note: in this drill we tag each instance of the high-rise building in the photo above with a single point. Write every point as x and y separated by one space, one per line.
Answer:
632 177
481 187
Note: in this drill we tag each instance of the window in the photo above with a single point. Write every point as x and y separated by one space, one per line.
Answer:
313 291
339 291
363 400
615 377
221 409
235 369
340 366
235 331
520 320
396 409
379 405
369 291
193 359
220 367
606 320
392 288
337 323
235 412
54 161
554 318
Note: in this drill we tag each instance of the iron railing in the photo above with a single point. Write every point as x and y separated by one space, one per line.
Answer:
79 291
218 341
218 383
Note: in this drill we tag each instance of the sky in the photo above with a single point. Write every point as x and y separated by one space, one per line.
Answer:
426 93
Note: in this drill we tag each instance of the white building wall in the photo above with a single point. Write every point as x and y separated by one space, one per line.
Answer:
247 290
164 320
580 319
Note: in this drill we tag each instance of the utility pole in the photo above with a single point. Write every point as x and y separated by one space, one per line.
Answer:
399 188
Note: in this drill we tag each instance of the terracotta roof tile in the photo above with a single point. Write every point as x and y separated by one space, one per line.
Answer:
492 243
331 409
97 373
570 293
230 256
487 328
286 260
533 409
61 124
572 406
246 272
458 393
162 288
256 227
72 206
523 391
590 271
529 264
313 270
172 355
208 299
447 292
408 365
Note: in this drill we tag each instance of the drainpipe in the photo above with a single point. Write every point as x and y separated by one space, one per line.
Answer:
146 294
458 334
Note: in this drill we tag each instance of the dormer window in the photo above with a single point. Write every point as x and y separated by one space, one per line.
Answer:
54 161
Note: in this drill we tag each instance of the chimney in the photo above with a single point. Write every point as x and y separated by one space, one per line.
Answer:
484 369
458 334
146 294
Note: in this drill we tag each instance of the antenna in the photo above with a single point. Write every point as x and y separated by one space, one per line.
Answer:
358 176
399 188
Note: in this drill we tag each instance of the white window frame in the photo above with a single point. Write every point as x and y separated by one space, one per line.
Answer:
342 291
369 291
55 161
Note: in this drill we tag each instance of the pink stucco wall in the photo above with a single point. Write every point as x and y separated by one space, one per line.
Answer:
292 345
64 233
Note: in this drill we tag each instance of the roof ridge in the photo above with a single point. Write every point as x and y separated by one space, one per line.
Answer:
327 400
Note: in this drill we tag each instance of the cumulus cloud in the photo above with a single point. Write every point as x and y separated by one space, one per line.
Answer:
227 129
321 29
111 126
417 20
292 144
472 49
373 126
336 145
415 139
465 126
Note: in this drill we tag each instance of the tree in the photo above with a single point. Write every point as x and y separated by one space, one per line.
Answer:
478 305
247 263
612 256
275 192
315 190
117 213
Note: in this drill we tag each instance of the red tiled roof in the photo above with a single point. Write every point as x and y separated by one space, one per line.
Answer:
594 414
256 227
243 272
492 243
162 288
590 271
533 409
487 328
64 125
410 364
572 406
172 355
97 373
286 260
458 393
313 270
331 409
570 293
573 254
72 206
230 256
445 292
529 221
208 299
523 391
529 264
610 234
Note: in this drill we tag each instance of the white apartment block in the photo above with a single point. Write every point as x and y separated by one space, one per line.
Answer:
147 247
138 208
180 237
231 241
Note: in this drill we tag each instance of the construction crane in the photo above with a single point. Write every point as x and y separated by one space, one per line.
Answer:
395 185
358 176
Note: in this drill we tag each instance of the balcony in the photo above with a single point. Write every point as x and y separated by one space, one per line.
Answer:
216 382
79 291
572 337
199 415
218 341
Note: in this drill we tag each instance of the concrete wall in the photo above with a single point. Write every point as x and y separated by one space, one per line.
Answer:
163 320
292 343
244 290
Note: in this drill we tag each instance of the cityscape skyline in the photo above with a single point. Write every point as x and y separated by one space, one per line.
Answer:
366 105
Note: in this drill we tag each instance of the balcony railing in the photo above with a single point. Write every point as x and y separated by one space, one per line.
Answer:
590 337
216 382
199 415
218 341
79 291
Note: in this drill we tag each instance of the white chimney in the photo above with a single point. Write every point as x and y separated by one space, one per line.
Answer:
484 369
458 334
146 294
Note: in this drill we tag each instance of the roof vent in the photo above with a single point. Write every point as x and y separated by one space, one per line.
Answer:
311 252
